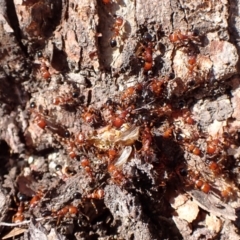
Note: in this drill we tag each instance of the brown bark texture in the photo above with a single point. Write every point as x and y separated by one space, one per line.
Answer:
119 119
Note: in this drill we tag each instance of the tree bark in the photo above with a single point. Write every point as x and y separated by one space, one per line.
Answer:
52 49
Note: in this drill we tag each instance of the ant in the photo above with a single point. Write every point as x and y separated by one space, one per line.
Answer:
204 186
80 139
227 192
39 118
115 173
188 118
191 63
178 37
85 163
43 66
36 199
168 133
65 98
92 117
156 87
106 1
71 149
97 194
195 179
212 147
147 140
112 153
118 24
43 123
131 93
194 149
214 167
147 55
147 49
18 216
120 119
67 211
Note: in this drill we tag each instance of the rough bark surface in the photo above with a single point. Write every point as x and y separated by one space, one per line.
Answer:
119 119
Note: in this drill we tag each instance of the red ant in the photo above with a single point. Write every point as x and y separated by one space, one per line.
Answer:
194 149
85 163
39 118
36 199
65 98
227 192
120 119
71 149
214 167
106 1
18 216
131 92
43 67
91 117
116 29
147 140
188 118
42 122
195 179
156 86
97 194
192 60
147 56
204 186
115 173
112 154
212 146
67 211
178 37
147 49
168 133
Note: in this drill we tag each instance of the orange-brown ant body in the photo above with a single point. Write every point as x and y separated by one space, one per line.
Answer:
85 163
97 194
147 56
43 123
44 71
92 117
67 211
71 149
80 139
115 174
168 133
178 37
194 178
147 140
106 1
194 149
116 30
156 87
36 199
129 94
112 153
212 146
19 216
214 167
192 61
39 118
65 98
119 119
145 52
227 192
